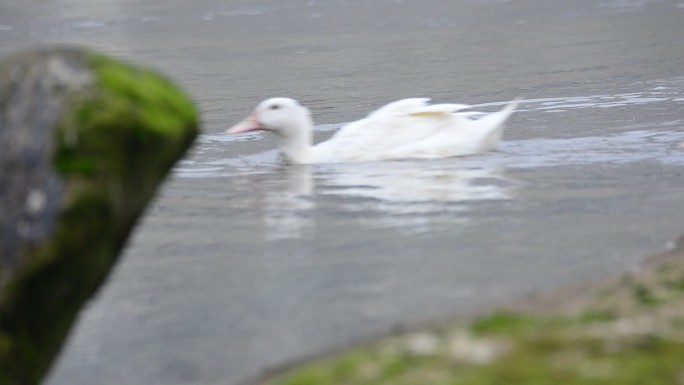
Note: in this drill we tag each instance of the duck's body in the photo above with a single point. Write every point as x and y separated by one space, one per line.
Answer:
408 128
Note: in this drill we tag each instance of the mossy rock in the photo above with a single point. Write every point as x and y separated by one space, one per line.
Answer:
85 140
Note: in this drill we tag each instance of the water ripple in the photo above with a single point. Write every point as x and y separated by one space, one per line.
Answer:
415 196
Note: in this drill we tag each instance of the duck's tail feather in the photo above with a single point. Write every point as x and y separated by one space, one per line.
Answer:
496 119
492 124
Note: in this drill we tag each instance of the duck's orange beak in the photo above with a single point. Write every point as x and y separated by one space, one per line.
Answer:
251 123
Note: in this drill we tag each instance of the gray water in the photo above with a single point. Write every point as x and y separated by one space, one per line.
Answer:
242 263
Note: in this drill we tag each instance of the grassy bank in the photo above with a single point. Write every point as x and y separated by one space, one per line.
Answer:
626 331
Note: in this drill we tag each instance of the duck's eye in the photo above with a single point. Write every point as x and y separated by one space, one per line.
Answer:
275 106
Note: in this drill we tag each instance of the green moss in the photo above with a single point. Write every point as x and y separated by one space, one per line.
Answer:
593 315
131 113
677 322
358 368
348 366
541 360
585 361
161 106
308 377
113 148
644 295
68 161
502 322
677 284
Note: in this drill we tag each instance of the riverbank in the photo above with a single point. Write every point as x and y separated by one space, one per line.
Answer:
629 330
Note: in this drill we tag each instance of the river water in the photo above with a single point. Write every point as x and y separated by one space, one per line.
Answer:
242 264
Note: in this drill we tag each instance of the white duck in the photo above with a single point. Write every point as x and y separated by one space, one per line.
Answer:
407 128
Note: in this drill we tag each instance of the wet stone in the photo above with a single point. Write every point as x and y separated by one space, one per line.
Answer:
34 90
84 142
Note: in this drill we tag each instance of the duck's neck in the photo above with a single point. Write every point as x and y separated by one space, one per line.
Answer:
296 147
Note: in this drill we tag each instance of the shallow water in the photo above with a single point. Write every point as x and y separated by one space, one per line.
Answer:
243 263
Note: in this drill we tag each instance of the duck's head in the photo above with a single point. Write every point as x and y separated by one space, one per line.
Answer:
283 116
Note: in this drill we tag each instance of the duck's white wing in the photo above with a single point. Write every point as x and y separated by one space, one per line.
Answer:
393 126
466 133
414 106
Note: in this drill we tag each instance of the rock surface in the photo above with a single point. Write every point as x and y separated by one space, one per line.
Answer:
84 142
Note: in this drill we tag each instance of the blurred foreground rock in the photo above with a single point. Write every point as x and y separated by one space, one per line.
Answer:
84 142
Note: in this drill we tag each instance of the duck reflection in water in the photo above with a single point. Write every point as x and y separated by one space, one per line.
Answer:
288 207
411 196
